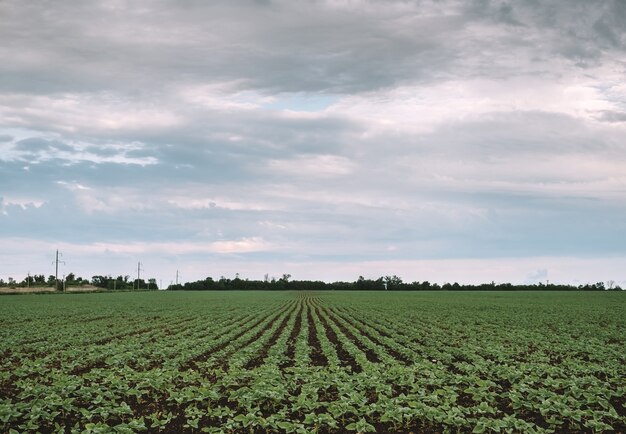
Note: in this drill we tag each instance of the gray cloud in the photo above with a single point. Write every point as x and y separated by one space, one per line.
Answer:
284 47
612 116
280 132
332 49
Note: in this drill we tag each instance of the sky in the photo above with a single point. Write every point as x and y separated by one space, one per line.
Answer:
469 141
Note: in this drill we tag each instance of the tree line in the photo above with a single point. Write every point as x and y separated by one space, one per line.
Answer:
389 283
71 280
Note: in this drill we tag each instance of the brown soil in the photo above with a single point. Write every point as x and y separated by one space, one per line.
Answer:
192 364
393 353
344 356
258 360
369 353
291 341
33 289
121 336
317 355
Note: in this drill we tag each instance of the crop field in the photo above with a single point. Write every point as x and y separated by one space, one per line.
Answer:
326 362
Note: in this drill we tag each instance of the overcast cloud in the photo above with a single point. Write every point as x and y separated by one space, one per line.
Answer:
463 141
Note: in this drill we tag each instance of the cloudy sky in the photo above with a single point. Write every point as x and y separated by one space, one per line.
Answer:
447 141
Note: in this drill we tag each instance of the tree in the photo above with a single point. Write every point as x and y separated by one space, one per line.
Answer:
100 281
28 281
286 278
392 282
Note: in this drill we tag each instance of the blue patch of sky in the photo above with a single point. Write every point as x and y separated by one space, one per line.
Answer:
301 102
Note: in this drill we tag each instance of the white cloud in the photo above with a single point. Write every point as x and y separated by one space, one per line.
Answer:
313 166
86 113
321 135
419 109
246 245
228 96
191 202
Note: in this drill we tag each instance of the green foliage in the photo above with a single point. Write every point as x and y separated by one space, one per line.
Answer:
313 362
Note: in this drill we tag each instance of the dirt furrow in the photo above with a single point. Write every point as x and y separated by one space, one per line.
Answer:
317 355
122 336
193 363
223 361
344 356
260 358
392 352
291 341
369 353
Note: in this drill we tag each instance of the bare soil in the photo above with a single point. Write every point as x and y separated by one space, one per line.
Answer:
34 289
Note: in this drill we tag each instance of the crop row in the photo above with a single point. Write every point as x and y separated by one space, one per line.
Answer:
285 362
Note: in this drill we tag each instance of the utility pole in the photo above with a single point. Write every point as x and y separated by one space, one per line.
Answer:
138 270
56 271
177 277
28 281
